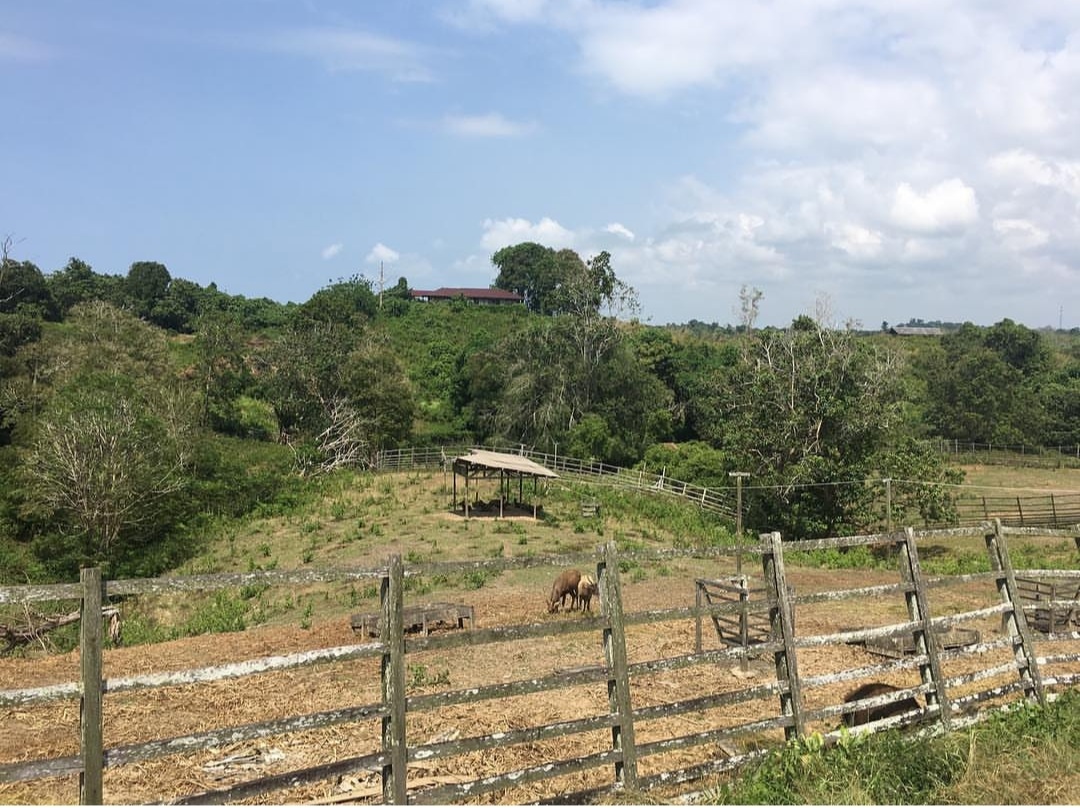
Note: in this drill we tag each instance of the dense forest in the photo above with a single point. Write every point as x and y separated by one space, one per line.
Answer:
138 411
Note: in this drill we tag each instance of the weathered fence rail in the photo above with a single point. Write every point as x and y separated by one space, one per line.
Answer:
957 685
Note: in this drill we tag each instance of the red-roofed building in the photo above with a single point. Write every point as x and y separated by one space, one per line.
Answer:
489 297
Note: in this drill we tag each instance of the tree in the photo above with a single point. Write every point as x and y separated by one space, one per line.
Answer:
339 394
749 306
108 440
222 371
23 290
105 459
146 284
78 283
532 271
181 307
801 409
347 302
983 384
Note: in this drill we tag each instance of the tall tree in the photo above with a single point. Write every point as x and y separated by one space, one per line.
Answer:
104 462
531 270
803 408
146 284
982 384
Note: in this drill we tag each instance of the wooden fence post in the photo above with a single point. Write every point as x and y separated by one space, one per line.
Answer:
782 622
697 618
91 724
618 687
926 642
1015 620
392 636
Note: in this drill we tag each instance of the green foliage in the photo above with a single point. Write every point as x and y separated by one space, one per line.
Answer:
1015 757
146 284
885 768
800 410
477 579
344 303
841 558
420 676
532 271
968 376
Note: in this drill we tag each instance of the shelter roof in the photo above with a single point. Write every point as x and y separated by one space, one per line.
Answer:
506 462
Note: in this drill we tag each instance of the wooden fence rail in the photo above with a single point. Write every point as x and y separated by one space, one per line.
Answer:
1013 669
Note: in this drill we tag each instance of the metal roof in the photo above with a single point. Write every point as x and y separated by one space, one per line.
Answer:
506 462
468 292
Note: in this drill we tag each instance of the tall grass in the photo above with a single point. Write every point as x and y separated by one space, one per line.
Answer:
1026 755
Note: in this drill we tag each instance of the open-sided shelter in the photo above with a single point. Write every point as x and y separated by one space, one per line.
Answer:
481 464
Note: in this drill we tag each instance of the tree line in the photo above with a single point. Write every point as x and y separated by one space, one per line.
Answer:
140 412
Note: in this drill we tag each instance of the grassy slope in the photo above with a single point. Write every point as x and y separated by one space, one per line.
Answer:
358 519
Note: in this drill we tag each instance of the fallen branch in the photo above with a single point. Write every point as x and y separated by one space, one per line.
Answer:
37 626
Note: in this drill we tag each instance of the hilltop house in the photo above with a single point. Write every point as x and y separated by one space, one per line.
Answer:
915 331
487 297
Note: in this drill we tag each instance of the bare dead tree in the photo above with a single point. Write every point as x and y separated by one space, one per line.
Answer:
5 260
346 440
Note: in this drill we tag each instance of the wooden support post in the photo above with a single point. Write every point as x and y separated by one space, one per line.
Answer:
697 618
888 505
392 636
744 628
614 638
781 620
926 641
1020 510
90 707
1015 620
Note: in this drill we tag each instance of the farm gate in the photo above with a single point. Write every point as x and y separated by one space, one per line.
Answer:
956 684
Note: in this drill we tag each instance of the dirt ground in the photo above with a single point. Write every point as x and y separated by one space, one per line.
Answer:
49 730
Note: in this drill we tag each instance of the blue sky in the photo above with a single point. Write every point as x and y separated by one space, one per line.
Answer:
863 161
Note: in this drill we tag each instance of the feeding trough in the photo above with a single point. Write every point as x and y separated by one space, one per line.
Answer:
904 644
422 618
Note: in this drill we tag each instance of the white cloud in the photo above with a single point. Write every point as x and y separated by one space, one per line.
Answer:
945 208
381 253
619 230
856 241
1021 167
499 233
350 49
1020 234
332 250
17 48
493 124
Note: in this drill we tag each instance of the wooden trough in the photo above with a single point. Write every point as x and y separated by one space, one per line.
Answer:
739 629
904 645
1041 598
422 617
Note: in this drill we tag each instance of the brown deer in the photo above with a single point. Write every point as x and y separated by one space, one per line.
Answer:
865 715
586 589
565 584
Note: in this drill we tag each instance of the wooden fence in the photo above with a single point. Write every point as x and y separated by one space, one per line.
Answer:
720 501
993 672
972 508
1010 454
